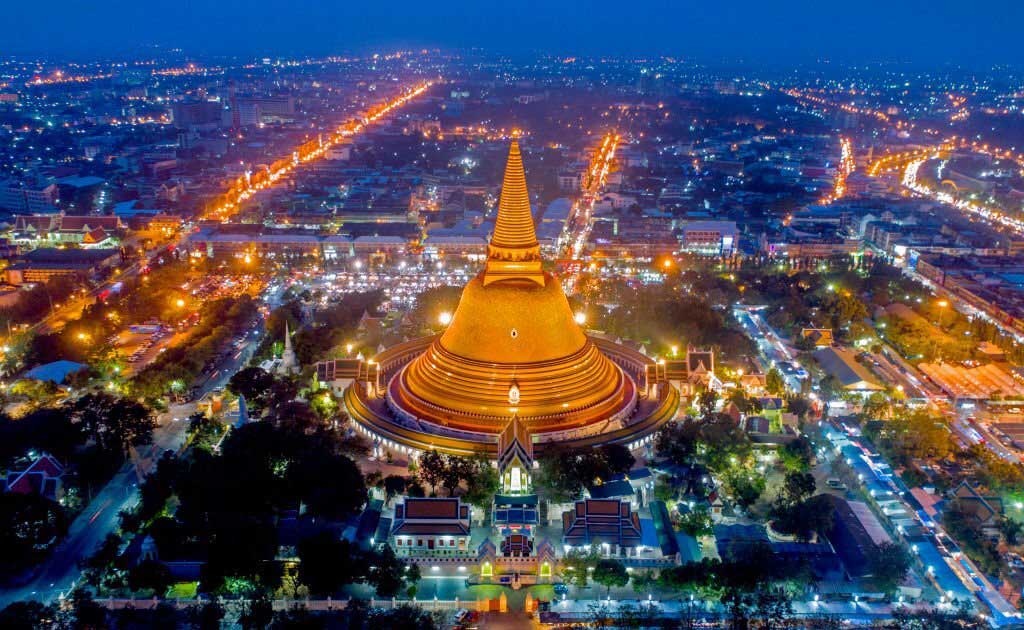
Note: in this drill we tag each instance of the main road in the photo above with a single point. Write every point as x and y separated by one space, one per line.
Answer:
60 571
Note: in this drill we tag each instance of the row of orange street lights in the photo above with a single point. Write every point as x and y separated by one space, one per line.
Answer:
990 214
596 177
963 143
846 166
248 184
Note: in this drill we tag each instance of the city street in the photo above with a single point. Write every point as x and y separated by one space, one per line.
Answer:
58 574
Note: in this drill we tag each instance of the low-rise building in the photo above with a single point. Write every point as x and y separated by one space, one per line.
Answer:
852 376
606 524
431 526
713 238
43 264
43 477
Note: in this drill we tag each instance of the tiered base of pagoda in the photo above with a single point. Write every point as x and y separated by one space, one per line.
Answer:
635 412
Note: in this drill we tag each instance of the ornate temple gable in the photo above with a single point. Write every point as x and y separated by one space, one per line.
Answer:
515 457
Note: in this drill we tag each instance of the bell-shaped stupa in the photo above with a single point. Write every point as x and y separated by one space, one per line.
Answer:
513 345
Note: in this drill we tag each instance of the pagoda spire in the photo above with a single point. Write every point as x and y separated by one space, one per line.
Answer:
288 362
514 253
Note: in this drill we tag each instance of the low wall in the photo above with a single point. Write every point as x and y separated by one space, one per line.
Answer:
281 604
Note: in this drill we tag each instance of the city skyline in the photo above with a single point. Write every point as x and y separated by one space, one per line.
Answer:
456 338
922 33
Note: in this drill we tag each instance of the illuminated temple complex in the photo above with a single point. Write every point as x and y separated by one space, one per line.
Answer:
512 349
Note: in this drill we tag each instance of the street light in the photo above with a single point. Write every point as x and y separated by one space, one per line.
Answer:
581 318
445 318
942 304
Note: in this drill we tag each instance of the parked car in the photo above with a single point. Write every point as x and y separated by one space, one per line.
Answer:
835 484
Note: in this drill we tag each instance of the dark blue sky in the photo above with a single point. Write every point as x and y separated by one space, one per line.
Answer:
924 31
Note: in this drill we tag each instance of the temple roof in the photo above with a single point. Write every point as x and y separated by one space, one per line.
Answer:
515 441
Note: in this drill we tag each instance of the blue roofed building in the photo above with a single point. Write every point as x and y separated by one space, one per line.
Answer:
56 372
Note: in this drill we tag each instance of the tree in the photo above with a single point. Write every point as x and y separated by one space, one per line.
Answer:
454 470
206 616
797 455
576 566
297 416
609 573
388 573
404 617
27 615
49 430
725 445
888 564
773 607
241 548
959 618
564 472
707 400
663 490
877 406
152 575
432 468
29 525
917 436
677 442
696 522
329 485
644 581
257 614
618 457
797 511
164 617
774 383
394 485
326 564
86 612
798 486
1011 530
116 424
744 488
799 406
738 605
254 383
297 617
804 518
482 483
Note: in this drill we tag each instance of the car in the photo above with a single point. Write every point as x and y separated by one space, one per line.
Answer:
835 484
466 620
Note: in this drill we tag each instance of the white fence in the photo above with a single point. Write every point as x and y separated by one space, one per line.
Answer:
283 604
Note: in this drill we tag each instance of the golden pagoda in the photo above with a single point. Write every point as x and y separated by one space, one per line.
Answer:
513 346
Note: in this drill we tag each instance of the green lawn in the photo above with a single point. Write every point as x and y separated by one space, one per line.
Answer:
486 591
183 590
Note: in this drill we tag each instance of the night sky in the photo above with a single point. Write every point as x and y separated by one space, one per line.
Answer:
761 31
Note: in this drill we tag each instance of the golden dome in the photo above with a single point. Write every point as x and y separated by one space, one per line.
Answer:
512 331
